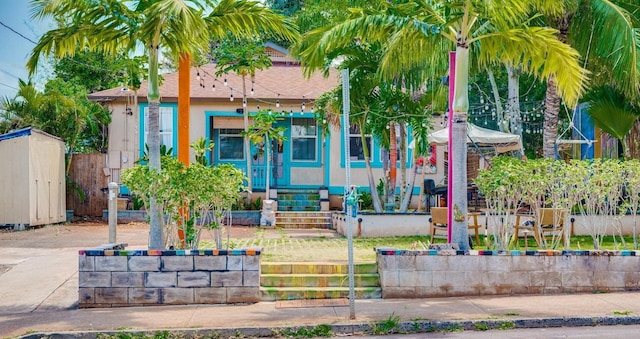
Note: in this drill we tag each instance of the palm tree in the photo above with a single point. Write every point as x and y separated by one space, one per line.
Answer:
243 57
181 26
418 35
605 32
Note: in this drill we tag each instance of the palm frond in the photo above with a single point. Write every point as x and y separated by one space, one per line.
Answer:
608 34
537 51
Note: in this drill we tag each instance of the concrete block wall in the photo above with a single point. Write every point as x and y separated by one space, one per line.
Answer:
115 278
446 273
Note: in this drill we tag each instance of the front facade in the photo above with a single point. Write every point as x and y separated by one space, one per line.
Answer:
306 160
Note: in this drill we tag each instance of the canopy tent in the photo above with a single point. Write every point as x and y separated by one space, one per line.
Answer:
502 142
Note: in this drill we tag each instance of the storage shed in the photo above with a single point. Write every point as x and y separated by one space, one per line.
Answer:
32 179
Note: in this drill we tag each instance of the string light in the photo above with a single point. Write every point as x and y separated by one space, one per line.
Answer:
201 74
198 75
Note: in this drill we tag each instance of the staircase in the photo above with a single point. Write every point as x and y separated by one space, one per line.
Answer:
298 200
300 208
309 280
318 219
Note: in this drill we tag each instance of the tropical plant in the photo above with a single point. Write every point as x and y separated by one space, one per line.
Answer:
590 187
193 198
61 110
242 57
605 32
417 37
262 131
122 26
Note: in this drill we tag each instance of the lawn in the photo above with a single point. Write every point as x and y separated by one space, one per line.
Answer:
285 247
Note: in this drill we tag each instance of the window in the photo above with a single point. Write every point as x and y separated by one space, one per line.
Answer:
356 148
304 136
230 143
166 126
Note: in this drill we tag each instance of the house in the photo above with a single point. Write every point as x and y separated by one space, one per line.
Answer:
306 160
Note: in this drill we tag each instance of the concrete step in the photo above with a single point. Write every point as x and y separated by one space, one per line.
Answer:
288 219
298 293
317 280
317 268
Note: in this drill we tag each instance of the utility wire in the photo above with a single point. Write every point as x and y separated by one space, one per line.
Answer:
3 84
20 34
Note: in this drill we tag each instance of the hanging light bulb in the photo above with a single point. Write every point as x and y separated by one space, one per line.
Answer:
198 75
244 103
213 87
291 112
303 106
231 97
258 107
252 90
312 108
202 83
225 82
278 103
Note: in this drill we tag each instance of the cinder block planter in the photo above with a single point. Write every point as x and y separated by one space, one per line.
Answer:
432 273
116 278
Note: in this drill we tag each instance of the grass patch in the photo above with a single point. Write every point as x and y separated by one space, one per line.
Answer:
278 245
622 312
391 325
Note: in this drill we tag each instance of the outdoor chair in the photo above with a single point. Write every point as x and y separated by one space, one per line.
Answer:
551 225
438 222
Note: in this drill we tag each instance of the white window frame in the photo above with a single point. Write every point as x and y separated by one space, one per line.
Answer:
294 137
164 114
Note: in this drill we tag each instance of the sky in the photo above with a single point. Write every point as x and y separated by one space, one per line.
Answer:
15 49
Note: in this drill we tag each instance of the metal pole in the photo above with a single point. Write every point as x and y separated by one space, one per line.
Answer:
347 167
113 211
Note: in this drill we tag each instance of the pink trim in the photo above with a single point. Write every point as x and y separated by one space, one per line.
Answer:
452 87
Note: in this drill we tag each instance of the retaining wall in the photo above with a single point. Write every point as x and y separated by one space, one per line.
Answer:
446 273
115 278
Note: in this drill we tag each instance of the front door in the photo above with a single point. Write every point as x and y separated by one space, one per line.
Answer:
279 172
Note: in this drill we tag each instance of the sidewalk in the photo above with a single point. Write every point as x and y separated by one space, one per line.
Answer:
38 294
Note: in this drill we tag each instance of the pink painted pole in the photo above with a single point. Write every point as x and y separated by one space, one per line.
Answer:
452 87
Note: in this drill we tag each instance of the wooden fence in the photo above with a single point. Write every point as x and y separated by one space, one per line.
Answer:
88 175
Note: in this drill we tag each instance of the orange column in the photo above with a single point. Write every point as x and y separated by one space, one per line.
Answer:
184 101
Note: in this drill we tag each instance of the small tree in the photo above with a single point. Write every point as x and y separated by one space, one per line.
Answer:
206 193
263 131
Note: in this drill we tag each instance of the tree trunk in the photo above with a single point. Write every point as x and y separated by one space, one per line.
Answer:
404 204
402 156
156 237
247 143
267 171
496 98
550 124
515 120
632 141
393 161
458 184
552 102
377 207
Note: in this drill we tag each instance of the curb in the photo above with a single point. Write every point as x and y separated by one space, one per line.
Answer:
378 328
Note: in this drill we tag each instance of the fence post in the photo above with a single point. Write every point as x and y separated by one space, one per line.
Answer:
113 211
